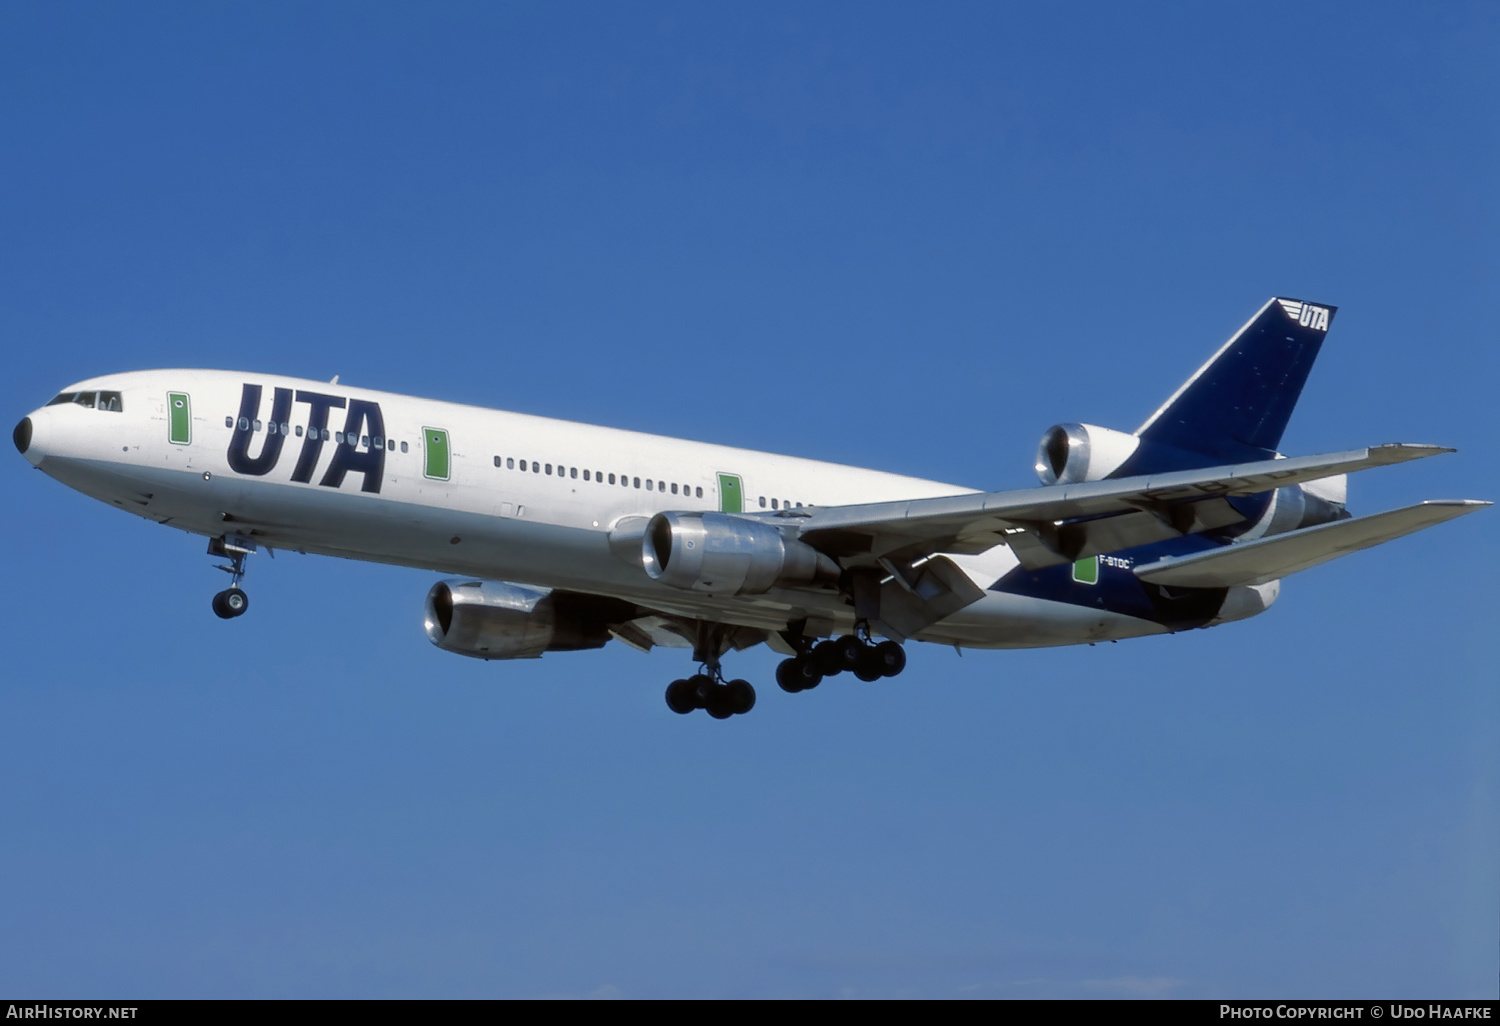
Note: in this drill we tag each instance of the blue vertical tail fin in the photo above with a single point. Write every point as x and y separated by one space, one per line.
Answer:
1237 405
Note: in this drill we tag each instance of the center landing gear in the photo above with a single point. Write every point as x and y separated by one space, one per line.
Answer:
866 659
707 689
232 601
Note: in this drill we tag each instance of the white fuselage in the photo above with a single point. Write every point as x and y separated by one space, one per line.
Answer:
451 494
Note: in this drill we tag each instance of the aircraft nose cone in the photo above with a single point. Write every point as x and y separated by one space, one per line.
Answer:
22 435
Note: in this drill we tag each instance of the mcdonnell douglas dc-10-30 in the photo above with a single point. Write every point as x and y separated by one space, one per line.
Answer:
560 536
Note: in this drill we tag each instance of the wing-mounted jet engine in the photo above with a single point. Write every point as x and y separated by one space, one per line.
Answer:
499 620
729 555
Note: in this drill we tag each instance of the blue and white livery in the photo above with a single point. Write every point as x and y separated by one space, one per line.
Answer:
557 536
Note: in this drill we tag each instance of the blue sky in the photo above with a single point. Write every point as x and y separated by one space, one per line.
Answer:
900 236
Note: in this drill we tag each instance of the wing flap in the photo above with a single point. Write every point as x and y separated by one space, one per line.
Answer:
1268 559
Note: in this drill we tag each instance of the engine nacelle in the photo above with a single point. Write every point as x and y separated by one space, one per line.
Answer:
728 555
1305 505
497 620
1070 453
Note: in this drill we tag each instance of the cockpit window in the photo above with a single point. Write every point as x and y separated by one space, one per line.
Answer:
106 400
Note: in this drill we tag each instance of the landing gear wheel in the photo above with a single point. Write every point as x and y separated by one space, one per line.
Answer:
805 673
867 668
827 657
701 687
681 698
789 675
891 658
718 704
230 603
740 696
850 650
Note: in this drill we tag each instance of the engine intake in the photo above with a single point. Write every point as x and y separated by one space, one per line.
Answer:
728 555
1070 453
499 620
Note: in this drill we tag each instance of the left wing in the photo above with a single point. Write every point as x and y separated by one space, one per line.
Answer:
1061 523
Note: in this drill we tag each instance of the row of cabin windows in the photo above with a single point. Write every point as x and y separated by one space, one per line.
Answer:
785 503
509 463
245 424
93 400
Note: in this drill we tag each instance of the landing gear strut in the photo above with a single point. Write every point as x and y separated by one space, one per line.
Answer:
232 601
857 653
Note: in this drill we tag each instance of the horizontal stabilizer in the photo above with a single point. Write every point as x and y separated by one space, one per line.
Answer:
1268 559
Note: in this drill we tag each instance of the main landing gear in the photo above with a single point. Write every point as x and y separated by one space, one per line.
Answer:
232 601
857 653
711 693
707 689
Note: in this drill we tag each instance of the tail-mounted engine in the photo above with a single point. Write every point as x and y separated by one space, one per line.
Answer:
498 620
1070 453
728 555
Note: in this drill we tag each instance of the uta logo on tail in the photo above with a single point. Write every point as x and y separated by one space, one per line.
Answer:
1305 314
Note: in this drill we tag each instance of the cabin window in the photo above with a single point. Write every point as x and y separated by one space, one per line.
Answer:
510 463
773 503
599 475
299 432
338 436
700 491
762 502
257 425
648 484
364 440
585 475
637 482
271 428
244 423
611 479
497 461
228 421
549 470
403 446
379 441
674 487
573 471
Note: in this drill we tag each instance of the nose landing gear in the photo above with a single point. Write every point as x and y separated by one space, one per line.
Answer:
232 601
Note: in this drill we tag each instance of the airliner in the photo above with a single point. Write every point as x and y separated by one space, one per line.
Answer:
556 536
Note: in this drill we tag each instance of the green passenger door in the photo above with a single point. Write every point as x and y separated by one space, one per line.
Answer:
435 457
179 418
731 494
